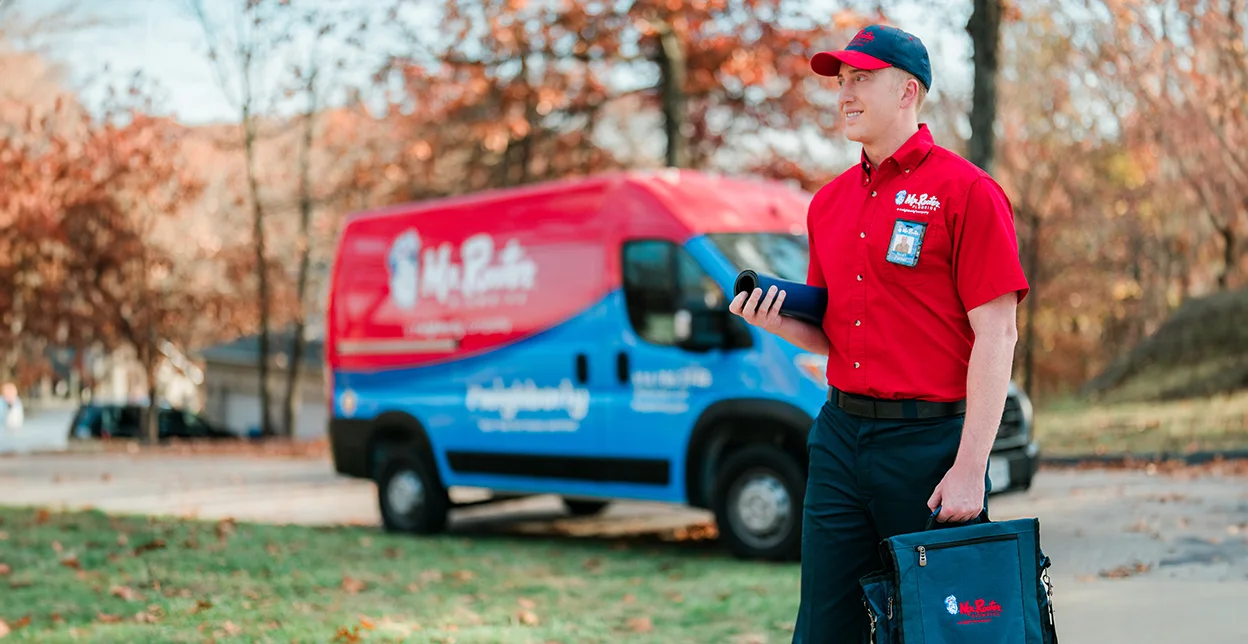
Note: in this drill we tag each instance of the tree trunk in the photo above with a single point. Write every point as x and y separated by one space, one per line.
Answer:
1227 233
984 28
150 433
290 412
1029 341
262 272
672 69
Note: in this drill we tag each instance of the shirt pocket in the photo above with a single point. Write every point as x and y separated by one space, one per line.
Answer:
909 249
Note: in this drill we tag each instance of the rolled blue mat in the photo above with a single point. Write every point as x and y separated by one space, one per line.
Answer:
801 301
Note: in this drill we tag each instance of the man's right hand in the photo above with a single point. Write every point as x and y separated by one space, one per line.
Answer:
760 310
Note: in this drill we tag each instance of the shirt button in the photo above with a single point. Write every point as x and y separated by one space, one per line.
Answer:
855 365
862 235
859 278
872 193
857 322
907 170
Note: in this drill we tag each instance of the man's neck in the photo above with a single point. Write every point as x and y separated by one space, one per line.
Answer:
877 151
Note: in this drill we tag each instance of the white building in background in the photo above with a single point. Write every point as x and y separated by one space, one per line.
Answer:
232 385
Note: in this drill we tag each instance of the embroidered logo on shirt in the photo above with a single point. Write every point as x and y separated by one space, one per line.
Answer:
916 204
907 240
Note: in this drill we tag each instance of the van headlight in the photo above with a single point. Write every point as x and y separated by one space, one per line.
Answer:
813 366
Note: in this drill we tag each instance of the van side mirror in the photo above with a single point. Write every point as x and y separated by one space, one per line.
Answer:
707 329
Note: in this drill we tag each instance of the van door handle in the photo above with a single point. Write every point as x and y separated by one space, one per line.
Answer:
582 368
621 366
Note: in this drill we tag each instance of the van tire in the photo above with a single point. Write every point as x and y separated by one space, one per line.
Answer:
405 475
758 498
584 507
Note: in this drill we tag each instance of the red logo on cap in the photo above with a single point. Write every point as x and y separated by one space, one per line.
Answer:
862 38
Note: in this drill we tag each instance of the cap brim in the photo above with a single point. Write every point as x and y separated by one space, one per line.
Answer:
828 63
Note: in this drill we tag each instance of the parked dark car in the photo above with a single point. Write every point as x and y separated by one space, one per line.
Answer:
95 420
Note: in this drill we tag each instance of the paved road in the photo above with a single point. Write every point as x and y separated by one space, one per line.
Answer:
1138 557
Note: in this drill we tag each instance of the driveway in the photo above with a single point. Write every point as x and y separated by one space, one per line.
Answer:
1138 556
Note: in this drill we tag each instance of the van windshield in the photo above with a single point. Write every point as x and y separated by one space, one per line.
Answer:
782 255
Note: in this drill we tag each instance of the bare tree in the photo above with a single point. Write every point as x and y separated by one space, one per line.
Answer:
236 61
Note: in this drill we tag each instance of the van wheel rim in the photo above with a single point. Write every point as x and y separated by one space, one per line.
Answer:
759 509
405 493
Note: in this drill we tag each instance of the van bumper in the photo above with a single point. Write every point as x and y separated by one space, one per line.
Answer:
1016 467
348 444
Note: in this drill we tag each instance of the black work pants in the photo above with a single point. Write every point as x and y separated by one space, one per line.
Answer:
869 479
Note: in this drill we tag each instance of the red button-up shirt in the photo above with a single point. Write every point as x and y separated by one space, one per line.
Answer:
899 330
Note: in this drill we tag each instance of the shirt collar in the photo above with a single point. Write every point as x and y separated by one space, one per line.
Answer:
909 155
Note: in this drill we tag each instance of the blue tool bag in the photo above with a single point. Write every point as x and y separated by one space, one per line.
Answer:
978 583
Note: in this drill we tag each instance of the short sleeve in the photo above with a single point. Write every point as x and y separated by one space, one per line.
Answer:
814 273
986 264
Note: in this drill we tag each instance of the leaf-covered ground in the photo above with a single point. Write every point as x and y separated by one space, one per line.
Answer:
92 577
1216 424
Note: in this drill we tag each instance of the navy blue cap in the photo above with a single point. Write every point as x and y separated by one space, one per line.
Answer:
877 47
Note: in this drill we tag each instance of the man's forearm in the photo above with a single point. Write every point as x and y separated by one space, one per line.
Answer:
807 336
987 384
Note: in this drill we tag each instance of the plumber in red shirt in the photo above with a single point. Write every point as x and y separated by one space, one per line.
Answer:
917 249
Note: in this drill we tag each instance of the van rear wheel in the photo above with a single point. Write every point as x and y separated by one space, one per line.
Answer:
411 495
584 507
759 492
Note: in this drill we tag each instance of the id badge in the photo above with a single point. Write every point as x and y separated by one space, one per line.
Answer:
907 240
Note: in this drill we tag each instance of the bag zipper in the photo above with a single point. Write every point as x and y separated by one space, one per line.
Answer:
922 550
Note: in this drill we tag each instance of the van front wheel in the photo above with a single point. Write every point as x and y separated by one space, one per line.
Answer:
759 492
412 498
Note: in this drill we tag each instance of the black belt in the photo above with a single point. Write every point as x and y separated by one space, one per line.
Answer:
894 409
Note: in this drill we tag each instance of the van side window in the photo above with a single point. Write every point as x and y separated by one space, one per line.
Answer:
659 279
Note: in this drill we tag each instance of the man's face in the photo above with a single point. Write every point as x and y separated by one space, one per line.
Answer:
869 102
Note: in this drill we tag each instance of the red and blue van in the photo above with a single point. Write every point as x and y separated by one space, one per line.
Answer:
573 338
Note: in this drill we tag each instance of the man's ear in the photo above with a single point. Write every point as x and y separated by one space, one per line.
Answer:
910 91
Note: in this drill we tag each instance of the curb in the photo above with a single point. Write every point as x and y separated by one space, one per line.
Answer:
1190 458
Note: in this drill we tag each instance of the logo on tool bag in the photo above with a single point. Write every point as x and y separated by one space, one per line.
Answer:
951 605
979 612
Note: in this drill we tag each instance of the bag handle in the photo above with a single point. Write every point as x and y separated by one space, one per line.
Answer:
982 518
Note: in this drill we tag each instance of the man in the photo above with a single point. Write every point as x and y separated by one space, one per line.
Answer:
917 250
11 414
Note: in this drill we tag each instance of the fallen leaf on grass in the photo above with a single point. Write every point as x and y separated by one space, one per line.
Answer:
107 618
21 623
352 585
630 598
5 569
527 617
154 544
200 606
4 536
225 528
463 575
42 516
71 562
347 636
146 618
640 625
125 592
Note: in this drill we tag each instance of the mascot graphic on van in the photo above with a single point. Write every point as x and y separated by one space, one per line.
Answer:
404 265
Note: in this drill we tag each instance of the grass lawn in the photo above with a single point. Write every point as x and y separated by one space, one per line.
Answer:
92 577
1200 424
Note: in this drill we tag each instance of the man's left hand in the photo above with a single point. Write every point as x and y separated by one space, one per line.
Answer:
960 494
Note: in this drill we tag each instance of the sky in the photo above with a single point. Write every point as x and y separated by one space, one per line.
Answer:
162 39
